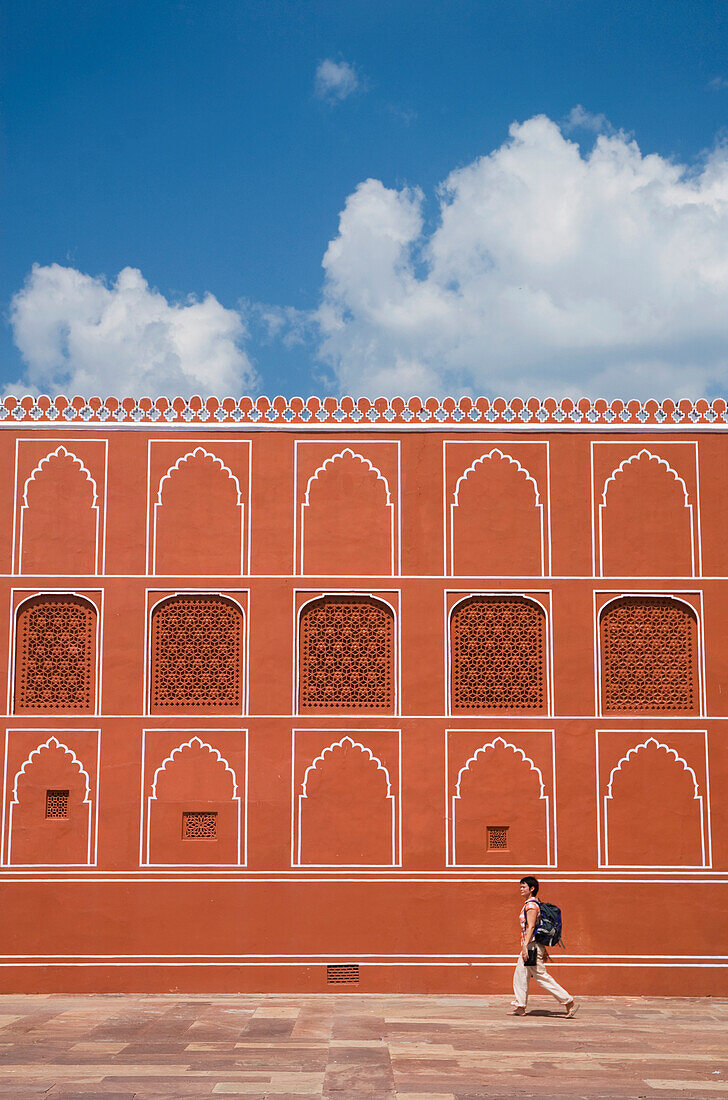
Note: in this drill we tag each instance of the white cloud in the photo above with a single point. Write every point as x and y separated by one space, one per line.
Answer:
718 84
579 118
335 80
79 334
547 271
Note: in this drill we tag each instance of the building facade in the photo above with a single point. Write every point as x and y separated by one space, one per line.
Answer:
297 691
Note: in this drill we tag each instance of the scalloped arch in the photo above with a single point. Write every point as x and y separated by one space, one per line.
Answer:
338 745
59 453
644 453
358 458
506 745
501 456
198 452
199 743
52 742
660 746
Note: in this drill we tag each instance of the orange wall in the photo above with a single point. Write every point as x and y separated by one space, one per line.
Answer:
134 911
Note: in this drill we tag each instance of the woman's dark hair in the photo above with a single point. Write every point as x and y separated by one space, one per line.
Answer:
532 883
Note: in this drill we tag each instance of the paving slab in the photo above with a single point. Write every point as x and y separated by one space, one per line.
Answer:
352 1046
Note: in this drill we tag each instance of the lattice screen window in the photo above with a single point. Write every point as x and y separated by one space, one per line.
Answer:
55 654
199 825
498 654
347 655
649 650
342 974
196 653
56 804
497 838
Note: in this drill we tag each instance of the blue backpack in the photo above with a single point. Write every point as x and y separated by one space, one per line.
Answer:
548 926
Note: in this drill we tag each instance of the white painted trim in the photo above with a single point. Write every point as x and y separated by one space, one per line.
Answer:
146 805
604 799
695 514
448 506
245 525
394 505
177 466
298 792
380 477
90 800
450 800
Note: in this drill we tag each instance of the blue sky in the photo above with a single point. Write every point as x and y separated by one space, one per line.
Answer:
189 141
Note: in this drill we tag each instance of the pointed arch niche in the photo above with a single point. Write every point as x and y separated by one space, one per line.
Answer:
654 805
61 508
51 798
647 524
198 511
496 504
500 810
194 807
348 520
346 798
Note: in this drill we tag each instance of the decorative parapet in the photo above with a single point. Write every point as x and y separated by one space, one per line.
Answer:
363 412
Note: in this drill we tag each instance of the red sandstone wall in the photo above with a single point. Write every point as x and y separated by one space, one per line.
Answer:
360 832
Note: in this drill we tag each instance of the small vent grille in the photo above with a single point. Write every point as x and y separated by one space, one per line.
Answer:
199 825
342 974
56 803
497 838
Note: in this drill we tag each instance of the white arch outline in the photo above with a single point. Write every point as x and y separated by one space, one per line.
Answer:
60 452
244 644
543 796
633 458
395 662
303 795
697 797
197 742
197 453
51 743
651 595
389 504
495 451
504 594
97 642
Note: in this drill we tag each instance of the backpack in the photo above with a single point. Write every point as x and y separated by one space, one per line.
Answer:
548 926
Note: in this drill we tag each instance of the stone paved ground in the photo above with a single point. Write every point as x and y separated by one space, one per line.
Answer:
351 1047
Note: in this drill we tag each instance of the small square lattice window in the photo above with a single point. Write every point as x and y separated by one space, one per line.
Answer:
497 838
56 803
199 825
342 974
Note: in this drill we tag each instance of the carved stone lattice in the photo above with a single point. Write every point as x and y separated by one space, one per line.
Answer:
57 803
196 653
199 825
497 838
55 654
498 654
347 645
649 647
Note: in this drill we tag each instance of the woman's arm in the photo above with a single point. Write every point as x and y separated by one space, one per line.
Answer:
531 921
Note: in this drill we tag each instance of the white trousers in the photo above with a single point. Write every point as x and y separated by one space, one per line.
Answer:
523 974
